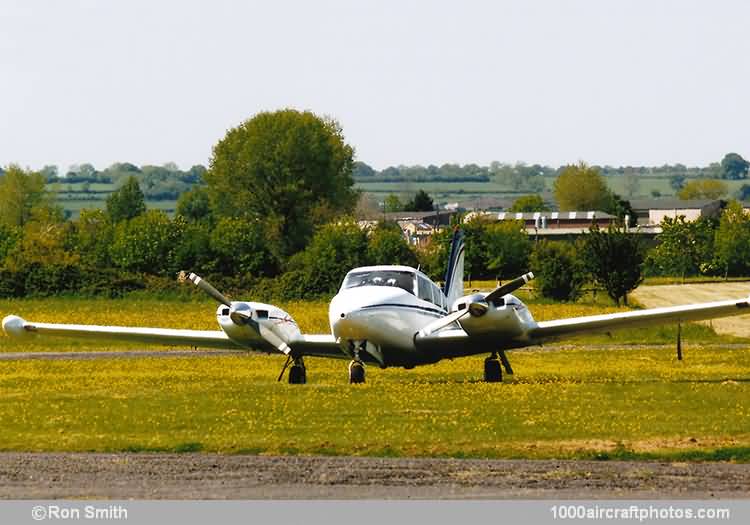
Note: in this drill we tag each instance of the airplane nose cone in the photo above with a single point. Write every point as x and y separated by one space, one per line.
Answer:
348 303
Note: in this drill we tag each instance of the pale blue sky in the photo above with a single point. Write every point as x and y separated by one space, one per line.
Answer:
411 82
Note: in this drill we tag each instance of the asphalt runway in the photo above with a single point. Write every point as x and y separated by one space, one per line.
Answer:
214 476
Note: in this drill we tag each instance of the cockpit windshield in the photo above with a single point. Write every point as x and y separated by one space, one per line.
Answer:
404 280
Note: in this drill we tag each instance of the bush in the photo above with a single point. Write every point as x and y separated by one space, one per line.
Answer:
559 273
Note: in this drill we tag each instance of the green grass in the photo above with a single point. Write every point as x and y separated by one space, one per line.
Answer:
574 404
583 401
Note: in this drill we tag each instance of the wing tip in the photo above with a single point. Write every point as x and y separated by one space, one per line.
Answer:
14 326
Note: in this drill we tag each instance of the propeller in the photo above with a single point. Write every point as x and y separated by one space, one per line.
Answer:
509 287
478 306
437 324
240 313
205 286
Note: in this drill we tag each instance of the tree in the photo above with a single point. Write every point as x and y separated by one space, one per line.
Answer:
387 245
734 167
360 169
421 202
507 248
10 236
620 208
291 170
558 270
732 241
677 182
335 249
580 187
21 192
241 248
684 247
194 204
529 203
393 203
145 243
127 202
703 189
614 258
94 235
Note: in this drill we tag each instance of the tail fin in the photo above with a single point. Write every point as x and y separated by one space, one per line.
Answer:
454 274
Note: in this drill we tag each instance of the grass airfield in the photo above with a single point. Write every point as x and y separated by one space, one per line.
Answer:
598 397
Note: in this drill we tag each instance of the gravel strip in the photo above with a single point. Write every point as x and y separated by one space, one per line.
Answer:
215 476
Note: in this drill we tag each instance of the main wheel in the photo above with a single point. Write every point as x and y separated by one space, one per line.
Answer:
356 372
493 371
297 375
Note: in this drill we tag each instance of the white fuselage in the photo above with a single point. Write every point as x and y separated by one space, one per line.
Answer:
388 317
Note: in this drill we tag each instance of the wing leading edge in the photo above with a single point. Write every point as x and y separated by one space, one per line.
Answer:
302 344
16 327
602 323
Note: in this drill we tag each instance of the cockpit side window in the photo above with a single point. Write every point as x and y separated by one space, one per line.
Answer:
425 290
403 280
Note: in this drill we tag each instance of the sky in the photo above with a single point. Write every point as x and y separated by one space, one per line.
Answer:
637 82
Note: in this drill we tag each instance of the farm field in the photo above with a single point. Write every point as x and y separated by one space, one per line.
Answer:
77 196
623 397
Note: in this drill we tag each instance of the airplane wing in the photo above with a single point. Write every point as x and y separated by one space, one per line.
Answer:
16 327
317 346
546 330
303 344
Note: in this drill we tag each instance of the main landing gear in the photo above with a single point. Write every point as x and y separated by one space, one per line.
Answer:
493 367
297 372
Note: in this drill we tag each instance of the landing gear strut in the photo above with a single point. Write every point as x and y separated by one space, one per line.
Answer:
493 371
297 372
357 367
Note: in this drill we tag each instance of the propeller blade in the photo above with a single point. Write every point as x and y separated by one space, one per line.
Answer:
271 336
206 287
442 322
509 287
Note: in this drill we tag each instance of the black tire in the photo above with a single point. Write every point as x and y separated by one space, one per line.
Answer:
493 371
297 375
356 373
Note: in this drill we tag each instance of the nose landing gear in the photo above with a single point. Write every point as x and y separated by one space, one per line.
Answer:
356 372
357 367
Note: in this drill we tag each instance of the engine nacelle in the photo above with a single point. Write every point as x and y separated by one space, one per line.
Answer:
240 323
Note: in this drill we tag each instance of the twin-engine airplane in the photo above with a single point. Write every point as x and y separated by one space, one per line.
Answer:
389 316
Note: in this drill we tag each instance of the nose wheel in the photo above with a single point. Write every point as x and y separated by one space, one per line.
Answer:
356 372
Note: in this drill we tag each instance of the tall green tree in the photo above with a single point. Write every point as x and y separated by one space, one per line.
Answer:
421 202
508 247
145 243
241 248
684 247
335 249
732 241
127 202
529 203
194 204
733 166
387 245
21 192
291 170
581 187
559 271
703 189
614 258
